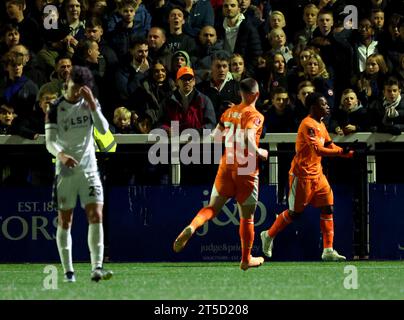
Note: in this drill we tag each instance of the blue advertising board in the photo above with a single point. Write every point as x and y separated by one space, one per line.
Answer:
144 221
386 221
28 227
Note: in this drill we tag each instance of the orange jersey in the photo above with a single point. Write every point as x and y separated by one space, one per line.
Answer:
307 161
236 121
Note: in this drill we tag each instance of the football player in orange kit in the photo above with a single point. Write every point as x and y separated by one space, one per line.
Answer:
307 183
237 175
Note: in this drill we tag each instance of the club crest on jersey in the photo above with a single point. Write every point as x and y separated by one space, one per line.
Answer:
257 122
311 132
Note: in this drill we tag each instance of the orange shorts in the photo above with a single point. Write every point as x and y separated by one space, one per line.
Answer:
244 188
303 192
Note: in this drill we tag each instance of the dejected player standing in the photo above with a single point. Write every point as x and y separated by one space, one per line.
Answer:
237 175
69 126
307 183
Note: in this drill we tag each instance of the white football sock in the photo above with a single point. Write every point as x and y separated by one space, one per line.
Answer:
64 244
96 244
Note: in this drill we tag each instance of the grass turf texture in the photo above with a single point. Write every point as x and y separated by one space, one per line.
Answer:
210 281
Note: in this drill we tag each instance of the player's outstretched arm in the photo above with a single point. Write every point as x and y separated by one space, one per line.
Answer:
252 145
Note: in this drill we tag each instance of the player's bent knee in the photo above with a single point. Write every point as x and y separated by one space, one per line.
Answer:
294 215
327 210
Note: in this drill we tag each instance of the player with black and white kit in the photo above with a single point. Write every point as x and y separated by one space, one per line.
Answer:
69 126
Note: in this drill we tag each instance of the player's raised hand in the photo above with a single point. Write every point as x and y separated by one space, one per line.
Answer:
67 160
262 154
87 94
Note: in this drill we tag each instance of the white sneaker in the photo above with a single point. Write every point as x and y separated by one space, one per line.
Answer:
332 255
267 244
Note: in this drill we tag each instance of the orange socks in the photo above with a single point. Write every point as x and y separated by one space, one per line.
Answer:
246 232
280 223
327 228
205 214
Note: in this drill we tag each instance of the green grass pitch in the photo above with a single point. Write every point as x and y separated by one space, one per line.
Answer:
211 281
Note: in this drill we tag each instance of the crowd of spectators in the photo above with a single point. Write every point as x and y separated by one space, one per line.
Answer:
136 48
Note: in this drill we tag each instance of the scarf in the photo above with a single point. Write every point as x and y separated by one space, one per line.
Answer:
390 108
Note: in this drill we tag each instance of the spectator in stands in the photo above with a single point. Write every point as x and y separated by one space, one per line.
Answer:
122 122
277 20
107 65
11 124
199 13
252 13
179 59
60 75
57 42
32 68
239 36
87 54
237 67
304 36
94 31
159 11
274 20
276 75
277 39
377 19
10 36
208 47
363 45
370 83
387 113
151 96
7 117
17 89
389 44
142 18
296 67
336 55
279 115
126 30
46 96
158 49
301 110
221 88
97 8
177 39
351 116
28 29
74 12
315 71
188 106
133 70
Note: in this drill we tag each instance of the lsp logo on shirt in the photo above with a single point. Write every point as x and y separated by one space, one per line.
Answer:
78 120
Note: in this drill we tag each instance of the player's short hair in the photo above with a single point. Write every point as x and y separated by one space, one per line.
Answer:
82 76
249 85
313 98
